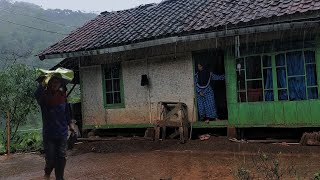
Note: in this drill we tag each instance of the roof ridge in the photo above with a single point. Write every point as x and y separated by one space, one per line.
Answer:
142 6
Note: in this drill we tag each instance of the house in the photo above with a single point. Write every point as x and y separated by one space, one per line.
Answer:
269 51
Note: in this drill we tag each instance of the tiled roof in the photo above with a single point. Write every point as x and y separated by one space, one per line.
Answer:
173 17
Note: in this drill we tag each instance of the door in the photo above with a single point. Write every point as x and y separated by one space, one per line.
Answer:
213 59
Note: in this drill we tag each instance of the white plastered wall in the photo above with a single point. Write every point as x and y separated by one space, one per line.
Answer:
171 79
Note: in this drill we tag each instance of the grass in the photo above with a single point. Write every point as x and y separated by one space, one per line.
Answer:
28 137
2 148
25 141
269 167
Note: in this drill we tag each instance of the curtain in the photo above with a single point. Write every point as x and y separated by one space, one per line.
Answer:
295 63
296 82
296 75
311 74
268 85
297 88
281 77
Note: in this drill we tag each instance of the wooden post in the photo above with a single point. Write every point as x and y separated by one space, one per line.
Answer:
8 133
231 132
186 132
182 140
164 132
157 133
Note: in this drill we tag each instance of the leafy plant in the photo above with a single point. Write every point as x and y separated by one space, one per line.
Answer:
27 141
317 176
268 167
16 97
243 174
2 148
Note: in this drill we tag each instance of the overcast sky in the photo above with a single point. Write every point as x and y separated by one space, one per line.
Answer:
90 5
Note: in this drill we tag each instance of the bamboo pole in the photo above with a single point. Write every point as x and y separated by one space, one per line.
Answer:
8 133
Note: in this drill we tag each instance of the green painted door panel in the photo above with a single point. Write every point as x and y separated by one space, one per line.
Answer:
250 113
244 115
279 113
233 115
315 112
303 113
290 112
256 113
275 114
268 114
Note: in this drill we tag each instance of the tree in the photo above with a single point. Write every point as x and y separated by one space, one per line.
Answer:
17 85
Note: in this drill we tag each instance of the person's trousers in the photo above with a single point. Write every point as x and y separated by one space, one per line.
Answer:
55 155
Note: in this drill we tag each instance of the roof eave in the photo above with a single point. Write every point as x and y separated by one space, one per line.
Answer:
189 38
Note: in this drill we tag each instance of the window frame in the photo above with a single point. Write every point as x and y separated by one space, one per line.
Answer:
274 75
104 88
293 76
262 68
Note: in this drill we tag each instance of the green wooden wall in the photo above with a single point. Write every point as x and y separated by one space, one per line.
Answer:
270 114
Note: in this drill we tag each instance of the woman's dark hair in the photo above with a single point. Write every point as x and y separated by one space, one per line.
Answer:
204 66
64 88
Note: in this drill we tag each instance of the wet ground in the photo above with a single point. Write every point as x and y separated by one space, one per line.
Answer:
216 158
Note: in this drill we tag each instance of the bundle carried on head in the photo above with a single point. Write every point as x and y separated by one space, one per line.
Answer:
65 75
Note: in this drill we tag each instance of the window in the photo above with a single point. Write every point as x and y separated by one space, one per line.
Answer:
113 88
296 76
254 78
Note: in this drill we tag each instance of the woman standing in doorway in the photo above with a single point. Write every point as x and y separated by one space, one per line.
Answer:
205 95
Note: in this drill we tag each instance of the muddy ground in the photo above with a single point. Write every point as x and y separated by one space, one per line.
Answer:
216 158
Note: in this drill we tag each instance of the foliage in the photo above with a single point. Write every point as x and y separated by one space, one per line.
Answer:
75 95
2 148
24 141
268 167
74 99
27 141
317 176
16 41
243 174
18 45
16 96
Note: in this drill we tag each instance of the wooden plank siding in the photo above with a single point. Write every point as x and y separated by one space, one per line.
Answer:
276 113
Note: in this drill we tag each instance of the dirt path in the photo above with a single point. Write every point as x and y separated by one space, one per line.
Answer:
216 159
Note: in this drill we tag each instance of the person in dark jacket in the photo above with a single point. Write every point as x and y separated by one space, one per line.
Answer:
56 119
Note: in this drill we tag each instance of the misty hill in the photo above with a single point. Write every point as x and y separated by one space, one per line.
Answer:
17 41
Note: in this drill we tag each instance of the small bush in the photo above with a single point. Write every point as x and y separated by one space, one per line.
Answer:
317 176
267 167
25 142
243 174
2 148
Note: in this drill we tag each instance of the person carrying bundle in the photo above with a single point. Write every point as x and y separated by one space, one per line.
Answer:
52 98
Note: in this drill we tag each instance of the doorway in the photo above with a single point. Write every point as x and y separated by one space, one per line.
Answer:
214 61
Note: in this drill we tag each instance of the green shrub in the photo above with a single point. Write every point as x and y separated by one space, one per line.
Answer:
2 148
243 174
26 142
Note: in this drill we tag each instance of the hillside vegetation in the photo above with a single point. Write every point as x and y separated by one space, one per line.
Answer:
25 30
19 44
